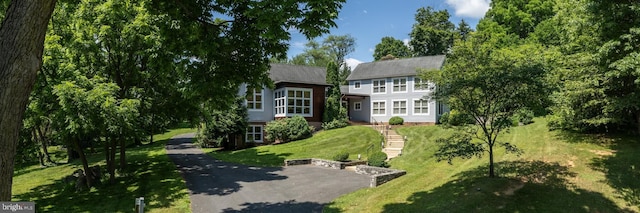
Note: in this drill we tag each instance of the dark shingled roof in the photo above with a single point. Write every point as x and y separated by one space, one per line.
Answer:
281 73
395 68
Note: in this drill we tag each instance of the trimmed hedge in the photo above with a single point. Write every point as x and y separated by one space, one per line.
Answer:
288 129
377 159
341 156
395 120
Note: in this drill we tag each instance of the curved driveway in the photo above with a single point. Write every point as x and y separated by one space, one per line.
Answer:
216 186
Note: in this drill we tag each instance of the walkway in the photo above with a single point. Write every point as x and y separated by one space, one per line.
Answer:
216 186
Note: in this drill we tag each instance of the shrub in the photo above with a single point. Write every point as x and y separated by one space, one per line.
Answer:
395 120
456 118
377 159
288 129
523 116
335 124
341 156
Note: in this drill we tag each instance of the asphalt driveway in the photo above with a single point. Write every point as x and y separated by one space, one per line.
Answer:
216 186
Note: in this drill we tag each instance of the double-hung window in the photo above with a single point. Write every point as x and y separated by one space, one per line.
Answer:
254 99
400 107
254 133
378 108
399 85
420 107
379 86
420 85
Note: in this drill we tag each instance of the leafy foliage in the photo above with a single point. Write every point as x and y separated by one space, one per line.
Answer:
433 33
391 46
523 116
221 125
288 129
396 120
341 156
456 118
377 159
490 82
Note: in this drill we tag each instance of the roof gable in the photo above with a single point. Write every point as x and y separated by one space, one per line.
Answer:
289 73
395 68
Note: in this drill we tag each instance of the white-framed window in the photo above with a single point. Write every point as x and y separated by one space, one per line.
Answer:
399 85
254 100
293 101
279 102
399 107
357 106
379 86
379 108
356 84
420 85
254 134
420 107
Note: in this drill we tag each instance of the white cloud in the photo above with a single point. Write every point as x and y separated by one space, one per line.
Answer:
352 62
371 50
365 11
470 8
406 41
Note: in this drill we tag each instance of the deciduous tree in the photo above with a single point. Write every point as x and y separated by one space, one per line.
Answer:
433 33
490 84
391 46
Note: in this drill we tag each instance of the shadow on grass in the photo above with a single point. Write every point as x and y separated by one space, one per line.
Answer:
287 206
622 170
524 186
621 165
206 175
149 176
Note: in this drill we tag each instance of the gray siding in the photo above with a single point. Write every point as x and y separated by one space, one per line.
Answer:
362 115
266 114
388 97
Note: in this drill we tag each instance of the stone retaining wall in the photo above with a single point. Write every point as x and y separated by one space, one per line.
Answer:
379 175
323 163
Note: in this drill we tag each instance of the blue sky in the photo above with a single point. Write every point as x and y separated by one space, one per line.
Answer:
370 20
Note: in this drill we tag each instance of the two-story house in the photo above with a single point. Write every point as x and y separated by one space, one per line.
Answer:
380 90
299 90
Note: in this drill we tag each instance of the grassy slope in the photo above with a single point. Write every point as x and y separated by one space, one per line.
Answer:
354 139
150 174
559 172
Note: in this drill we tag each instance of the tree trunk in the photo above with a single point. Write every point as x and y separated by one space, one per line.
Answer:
107 153
123 162
21 44
491 168
112 158
638 122
83 158
44 145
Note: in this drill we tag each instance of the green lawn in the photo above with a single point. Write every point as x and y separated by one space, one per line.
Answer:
559 172
325 144
150 174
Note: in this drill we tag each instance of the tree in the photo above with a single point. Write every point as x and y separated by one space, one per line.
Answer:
333 114
433 33
391 46
339 46
314 54
463 30
520 17
490 83
243 46
221 126
20 60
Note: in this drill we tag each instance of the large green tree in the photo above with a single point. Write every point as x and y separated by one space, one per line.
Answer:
223 44
433 33
391 46
489 82
520 17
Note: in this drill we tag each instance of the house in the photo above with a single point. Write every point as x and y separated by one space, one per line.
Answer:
299 90
380 90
